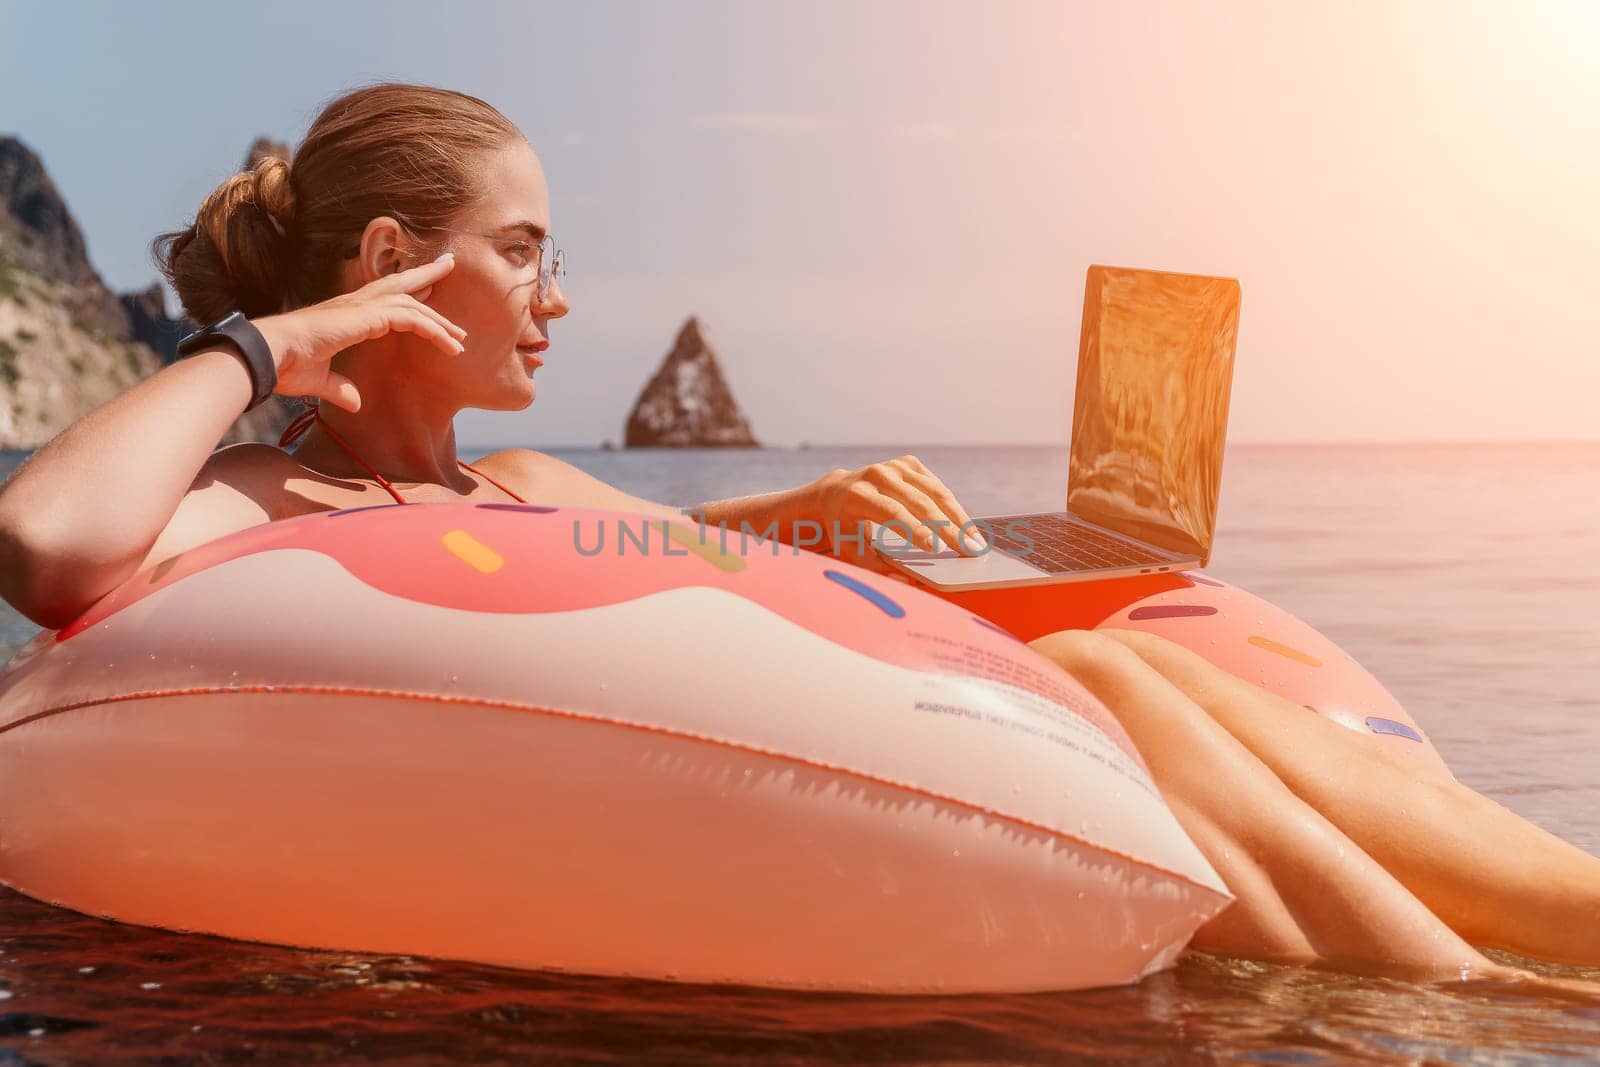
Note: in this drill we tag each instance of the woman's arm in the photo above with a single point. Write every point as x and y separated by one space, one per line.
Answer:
136 477
836 514
81 514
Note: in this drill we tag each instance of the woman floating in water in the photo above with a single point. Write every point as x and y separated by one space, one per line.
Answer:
402 270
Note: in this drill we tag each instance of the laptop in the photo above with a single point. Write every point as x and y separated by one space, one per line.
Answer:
1149 419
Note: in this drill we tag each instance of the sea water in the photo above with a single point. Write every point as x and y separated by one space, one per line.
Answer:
1467 578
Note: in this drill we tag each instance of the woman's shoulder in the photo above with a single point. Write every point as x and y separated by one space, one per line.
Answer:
522 470
250 469
252 482
544 479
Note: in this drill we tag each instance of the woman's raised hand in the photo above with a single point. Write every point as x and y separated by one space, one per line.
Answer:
303 341
903 495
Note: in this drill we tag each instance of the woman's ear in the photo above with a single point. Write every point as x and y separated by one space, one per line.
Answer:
384 244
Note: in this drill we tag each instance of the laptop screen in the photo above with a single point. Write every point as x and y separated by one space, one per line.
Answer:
1155 366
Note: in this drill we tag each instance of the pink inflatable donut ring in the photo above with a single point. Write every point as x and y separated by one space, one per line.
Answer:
1233 629
588 741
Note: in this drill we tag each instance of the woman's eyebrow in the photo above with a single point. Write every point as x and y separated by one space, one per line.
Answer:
532 229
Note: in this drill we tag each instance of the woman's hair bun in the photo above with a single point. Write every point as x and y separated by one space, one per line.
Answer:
240 252
274 194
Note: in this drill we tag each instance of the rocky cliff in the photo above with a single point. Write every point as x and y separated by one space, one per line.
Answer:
687 403
67 342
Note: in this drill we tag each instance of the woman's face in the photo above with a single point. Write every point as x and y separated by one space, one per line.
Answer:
493 290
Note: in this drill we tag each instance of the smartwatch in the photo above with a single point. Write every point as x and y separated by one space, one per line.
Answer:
236 330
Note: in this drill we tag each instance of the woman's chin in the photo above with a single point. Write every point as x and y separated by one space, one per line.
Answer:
515 396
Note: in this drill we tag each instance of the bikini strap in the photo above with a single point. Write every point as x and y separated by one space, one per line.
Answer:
342 443
491 481
302 423
297 427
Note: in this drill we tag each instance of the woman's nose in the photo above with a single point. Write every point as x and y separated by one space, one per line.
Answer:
554 305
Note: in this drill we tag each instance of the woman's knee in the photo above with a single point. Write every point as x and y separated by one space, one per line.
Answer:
1147 645
1182 666
1087 654
1074 645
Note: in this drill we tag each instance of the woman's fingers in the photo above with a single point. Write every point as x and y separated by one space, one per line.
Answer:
946 501
407 300
342 391
412 279
410 320
904 496
920 490
887 509
920 503
303 341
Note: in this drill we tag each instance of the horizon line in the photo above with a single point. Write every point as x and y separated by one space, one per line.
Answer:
797 446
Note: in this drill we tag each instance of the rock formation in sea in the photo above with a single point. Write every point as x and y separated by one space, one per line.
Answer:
687 403
68 343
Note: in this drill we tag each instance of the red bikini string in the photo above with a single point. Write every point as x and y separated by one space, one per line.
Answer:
301 423
491 481
316 414
297 427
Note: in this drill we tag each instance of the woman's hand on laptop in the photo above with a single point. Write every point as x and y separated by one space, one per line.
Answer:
902 494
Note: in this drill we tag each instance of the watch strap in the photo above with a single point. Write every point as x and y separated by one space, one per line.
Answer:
239 332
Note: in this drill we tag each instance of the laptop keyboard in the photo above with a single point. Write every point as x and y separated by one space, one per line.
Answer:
1061 545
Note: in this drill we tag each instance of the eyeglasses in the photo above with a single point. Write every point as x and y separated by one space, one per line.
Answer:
549 263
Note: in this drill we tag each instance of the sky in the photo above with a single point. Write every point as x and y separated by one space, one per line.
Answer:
883 212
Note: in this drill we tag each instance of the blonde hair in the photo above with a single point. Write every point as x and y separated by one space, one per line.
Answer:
272 238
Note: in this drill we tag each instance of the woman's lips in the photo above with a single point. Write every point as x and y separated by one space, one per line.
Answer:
530 354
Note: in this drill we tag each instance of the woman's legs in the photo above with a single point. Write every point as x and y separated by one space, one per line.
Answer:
1493 877
1304 890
